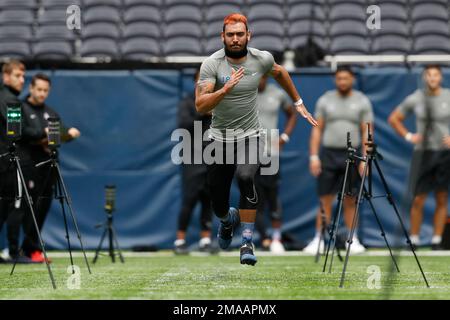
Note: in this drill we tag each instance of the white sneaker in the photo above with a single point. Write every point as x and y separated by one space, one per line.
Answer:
356 247
204 243
276 247
311 248
4 254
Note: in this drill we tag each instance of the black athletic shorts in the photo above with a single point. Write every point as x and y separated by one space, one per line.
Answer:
267 187
333 171
430 171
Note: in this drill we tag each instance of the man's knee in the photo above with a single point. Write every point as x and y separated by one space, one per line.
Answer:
245 177
419 201
441 199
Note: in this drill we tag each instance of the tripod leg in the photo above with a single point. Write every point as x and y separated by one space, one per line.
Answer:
354 224
60 197
317 257
383 234
45 185
405 232
322 232
99 246
111 243
337 218
29 202
333 231
117 244
19 191
72 214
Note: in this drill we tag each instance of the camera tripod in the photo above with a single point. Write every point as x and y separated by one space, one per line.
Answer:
112 239
371 158
61 194
21 190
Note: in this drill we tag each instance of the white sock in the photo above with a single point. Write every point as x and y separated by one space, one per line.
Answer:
276 234
317 235
436 239
415 239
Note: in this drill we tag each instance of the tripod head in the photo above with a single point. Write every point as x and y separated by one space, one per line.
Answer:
349 144
352 152
371 149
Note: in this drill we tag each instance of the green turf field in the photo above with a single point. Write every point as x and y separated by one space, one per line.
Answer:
222 277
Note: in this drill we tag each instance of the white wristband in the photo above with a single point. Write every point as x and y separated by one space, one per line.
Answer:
314 157
408 136
285 137
299 102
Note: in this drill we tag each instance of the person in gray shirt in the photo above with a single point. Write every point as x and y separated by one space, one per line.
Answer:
271 100
430 166
228 87
338 112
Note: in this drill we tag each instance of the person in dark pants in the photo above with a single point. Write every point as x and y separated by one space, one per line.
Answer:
12 210
430 167
338 112
228 86
36 113
193 179
271 100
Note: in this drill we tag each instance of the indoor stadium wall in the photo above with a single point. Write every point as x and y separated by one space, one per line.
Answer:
126 119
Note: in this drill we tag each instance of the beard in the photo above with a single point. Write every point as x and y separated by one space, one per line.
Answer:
236 54
345 91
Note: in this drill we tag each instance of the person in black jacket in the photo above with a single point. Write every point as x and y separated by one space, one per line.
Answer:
36 112
193 180
13 77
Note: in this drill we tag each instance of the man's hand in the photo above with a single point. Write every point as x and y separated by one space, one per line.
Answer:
74 133
361 168
446 141
305 114
236 76
315 167
415 138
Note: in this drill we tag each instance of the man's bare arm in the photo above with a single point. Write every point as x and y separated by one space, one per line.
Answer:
316 137
396 121
315 165
283 78
207 99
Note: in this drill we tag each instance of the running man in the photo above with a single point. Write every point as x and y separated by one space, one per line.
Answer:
228 86
432 148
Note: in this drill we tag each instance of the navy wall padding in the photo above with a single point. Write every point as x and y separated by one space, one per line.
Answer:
126 119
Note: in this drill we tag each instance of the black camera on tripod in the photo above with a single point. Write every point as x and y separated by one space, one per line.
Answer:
109 231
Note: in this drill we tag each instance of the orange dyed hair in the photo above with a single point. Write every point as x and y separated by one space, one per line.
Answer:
235 18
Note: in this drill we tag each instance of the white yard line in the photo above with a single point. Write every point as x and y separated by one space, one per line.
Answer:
234 253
